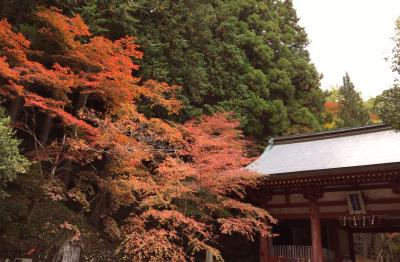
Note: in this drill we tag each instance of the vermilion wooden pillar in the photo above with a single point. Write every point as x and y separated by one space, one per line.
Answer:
264 249
317 253
313 194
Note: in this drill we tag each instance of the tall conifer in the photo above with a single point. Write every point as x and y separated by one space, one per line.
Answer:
351 107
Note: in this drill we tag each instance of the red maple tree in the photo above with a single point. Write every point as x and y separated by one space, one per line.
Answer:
199 195
77 98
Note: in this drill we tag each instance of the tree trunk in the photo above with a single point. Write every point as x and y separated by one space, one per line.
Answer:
80 103
4 8
15 108
44 136
100 205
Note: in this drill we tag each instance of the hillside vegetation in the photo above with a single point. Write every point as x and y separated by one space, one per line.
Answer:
138 118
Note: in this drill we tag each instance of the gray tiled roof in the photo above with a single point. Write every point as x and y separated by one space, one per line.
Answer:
354 147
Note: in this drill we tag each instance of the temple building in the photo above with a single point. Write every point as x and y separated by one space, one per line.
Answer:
324 187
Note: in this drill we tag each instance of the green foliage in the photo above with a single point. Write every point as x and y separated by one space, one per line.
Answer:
396 49
112 18
370 104
332 95
243 56
11 161
352 110
387 105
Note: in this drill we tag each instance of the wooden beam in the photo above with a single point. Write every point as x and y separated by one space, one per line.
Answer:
382 200
384 229
336 188
337 203
325 180
329 215
305 204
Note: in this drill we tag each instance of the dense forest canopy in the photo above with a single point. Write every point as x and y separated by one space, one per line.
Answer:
244 56
248 57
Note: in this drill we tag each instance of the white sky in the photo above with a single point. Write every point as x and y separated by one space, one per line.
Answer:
351 36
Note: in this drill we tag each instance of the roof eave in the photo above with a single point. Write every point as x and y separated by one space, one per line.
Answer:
330 134
335 171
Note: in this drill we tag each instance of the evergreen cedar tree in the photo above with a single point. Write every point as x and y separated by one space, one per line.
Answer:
352 110
344 107
163 191
244 56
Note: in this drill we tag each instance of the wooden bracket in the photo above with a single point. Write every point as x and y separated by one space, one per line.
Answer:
313 194
396 187
260 197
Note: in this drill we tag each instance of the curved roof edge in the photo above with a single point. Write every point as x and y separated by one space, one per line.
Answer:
329 134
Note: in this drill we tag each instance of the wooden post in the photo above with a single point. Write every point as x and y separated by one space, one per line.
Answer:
264 249
335 240
351 246
317 253
71 253
209 256
313 194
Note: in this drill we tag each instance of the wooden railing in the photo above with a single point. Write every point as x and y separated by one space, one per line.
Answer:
301 252
295 253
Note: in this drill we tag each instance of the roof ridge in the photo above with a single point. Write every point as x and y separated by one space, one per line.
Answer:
329 134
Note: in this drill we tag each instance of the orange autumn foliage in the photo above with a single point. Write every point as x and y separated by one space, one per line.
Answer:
100 68
206 178
332 107
61 28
